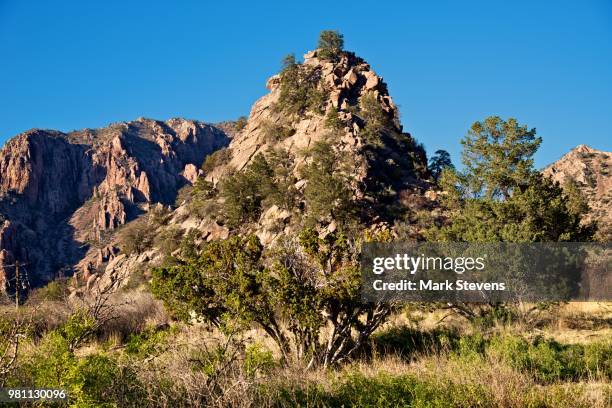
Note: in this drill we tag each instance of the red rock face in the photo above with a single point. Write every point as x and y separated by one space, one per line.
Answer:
58 191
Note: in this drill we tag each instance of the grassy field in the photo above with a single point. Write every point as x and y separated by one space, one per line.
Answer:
422 357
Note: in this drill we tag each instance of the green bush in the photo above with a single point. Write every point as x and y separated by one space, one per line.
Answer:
330 45
244 192
258 359
267 180
147 343
549 361
218 158
383 390
327 192
276 132
301 89
56 290
375 118
333 121
93 380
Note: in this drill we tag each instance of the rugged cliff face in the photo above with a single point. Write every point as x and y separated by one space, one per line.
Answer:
61 194
590 170
353 111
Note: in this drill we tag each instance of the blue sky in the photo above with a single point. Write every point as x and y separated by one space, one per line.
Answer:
74 64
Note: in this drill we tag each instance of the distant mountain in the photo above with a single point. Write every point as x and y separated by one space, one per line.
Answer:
591 171
62 194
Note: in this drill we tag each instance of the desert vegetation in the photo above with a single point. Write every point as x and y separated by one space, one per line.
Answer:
233 322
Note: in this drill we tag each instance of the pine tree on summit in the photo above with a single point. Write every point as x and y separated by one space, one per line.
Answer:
331 43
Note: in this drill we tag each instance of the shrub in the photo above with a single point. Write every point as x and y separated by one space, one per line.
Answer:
245 191
333 121
56 290
218 158
306 287
384 390
241 123
136 236
258 360
376 119
276 132
327 192
550 361
301 89
330 45
267 180
169 239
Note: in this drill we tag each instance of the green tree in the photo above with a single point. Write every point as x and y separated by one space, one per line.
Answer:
438 162
497 155
331 43
302 287
327 193
500 196
301 89
244 192
375 118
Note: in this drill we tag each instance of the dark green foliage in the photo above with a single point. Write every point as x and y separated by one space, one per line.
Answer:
168 239
218 158
330 45
327 192
500 196
245 191
537 212
200 198
302 288
438 162
576 202
282 192
498 155
376 119
301 89
268 180
332 120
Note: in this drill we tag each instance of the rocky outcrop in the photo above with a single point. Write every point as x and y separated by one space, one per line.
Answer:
591 171
396 163
62 194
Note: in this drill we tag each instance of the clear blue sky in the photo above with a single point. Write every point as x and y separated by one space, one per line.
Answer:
74 64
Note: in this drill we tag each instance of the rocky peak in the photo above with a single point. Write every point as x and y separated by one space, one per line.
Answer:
591 171
343 84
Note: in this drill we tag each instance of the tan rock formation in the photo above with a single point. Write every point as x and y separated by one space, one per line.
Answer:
591 170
